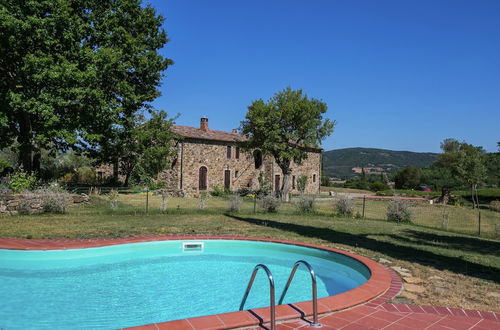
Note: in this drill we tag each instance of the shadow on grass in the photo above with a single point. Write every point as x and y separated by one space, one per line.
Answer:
398 251
464 243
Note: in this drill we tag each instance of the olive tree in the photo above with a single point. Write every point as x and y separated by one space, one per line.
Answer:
285 127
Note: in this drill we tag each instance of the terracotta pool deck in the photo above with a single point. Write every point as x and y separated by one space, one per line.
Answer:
365 307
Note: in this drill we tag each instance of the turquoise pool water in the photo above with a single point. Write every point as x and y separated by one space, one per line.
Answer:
141 283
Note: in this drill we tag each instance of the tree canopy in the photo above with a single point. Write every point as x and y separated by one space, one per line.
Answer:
74 69
285 126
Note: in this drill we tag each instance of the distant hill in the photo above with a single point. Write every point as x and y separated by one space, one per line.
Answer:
341 162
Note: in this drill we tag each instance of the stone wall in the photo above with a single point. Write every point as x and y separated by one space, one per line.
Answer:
193 154
32 203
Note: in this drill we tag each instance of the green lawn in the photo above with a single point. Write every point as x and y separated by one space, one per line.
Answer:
468 265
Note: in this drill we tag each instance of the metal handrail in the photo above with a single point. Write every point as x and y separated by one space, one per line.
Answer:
271 289
314 290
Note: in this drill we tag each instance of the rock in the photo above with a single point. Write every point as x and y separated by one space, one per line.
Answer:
13 203
77 199
408 295
413 280
440 289
433 278
384 261
400 269
414 288
493 294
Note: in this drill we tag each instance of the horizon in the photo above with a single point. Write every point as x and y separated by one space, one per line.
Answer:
395 75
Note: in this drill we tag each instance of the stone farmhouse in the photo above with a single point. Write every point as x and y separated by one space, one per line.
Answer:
207 158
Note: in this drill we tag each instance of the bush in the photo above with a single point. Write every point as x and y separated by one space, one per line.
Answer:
86 175
378 186
21 181
398 210
305 203
302 183
495 206
53 199
270 203
113 199
219 191
235 203
344 206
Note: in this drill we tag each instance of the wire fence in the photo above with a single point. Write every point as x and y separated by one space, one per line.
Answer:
462 219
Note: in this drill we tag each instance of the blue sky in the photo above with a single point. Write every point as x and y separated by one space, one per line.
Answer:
400 75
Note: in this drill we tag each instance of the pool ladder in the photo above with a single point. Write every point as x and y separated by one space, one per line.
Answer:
271 291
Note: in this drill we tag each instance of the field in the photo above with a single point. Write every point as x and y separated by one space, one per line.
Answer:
459 270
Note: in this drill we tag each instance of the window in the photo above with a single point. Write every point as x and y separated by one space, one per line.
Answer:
314 177
236 174
228 152
257 155
202 184
237 156
293 181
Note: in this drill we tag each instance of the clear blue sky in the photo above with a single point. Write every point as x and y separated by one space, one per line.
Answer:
400 75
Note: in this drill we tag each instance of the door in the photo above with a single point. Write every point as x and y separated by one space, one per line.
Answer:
277 182
227 179
203 178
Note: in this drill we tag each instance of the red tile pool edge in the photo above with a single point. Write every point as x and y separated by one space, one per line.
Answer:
382 282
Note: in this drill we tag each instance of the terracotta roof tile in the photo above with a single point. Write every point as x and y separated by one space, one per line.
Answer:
197 133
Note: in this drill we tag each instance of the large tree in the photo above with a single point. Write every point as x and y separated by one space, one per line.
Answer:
74 69
143 149
466 163
408 178
284 127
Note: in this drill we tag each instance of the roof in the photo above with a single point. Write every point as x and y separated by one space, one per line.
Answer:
197 133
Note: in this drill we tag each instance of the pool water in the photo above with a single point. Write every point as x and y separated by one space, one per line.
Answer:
142 283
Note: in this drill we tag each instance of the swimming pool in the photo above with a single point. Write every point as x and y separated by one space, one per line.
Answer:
142 283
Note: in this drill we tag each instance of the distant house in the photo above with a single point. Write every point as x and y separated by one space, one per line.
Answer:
207 158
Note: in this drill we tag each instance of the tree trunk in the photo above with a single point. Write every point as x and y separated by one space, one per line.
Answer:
285 188
473 196
25 143
36 161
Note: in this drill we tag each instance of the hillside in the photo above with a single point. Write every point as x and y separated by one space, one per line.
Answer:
341 162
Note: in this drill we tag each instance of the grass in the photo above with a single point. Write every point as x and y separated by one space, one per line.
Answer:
467 265
345 190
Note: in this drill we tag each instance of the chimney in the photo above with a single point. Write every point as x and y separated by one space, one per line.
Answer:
204 124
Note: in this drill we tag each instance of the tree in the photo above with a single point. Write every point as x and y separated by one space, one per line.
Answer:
144 149
466 164
72 70
284 127
408 178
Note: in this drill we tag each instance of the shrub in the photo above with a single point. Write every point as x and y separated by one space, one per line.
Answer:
202 200
301 183
53 199
378 186
344 206
305 203
219 191
235 203
21 181
86 175
270 203
398 210
495 206
113 198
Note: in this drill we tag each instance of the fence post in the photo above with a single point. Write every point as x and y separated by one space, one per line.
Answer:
364 201
254 203
147 200
479 224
